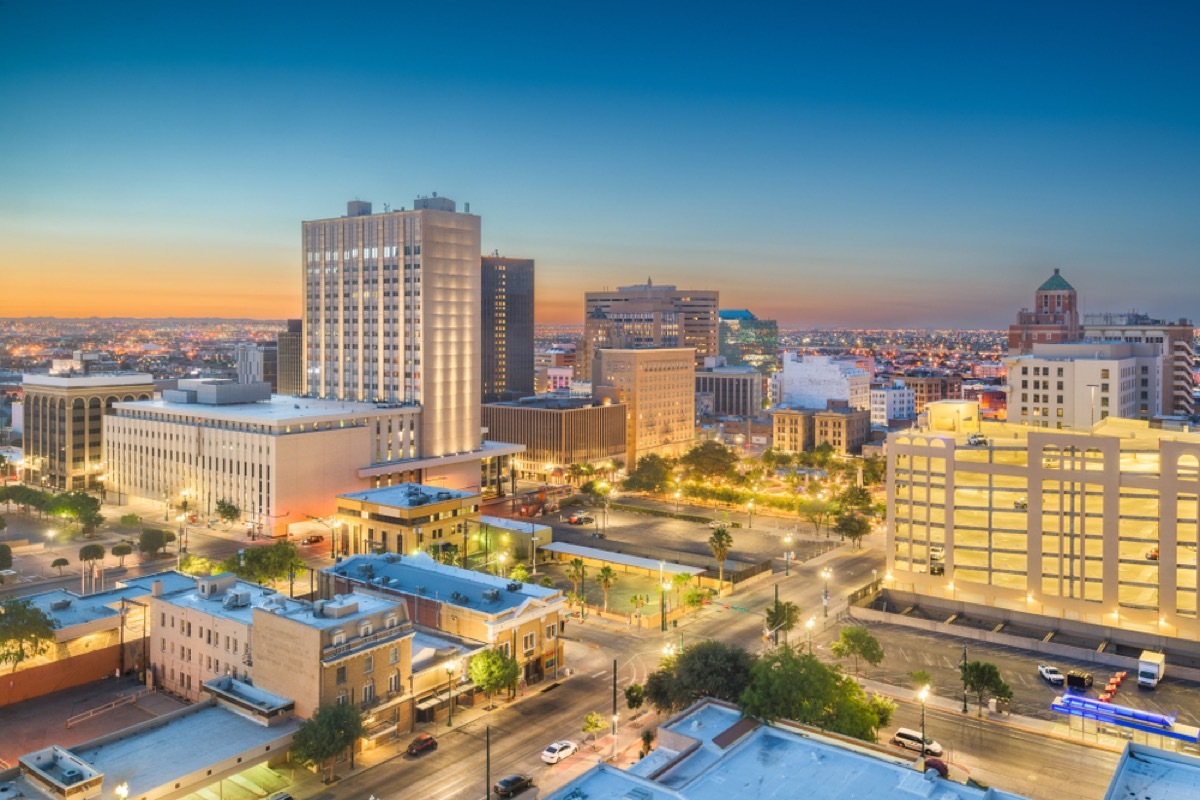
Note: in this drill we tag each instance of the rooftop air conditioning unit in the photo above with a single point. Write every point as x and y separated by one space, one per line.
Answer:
515 586
491 594
71 775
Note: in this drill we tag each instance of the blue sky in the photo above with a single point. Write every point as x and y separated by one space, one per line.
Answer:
918 164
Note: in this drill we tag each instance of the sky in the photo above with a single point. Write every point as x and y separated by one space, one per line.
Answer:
853 164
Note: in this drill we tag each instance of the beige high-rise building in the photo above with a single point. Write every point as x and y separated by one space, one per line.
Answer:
1096 526
646 315
392 315
1174 341
658 390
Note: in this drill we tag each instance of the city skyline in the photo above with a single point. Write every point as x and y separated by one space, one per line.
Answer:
823 167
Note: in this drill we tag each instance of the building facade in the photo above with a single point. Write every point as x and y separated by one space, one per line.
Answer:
807 381
406 519
289 347
1076 385
1100 526
1174 342
746 340
65 425
657 388
1054 318
392 305
735 391
893 402
258 363
929 387
793 430
846 430
558 431
649 316
507 328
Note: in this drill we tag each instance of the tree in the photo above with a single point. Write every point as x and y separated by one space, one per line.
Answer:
983 678
720 543
266 564
593 723
3 523
635 696
547 582
852 526
59 563
606 577
91 552
855 498
192 564
152 541
788 683
330 732
227 511
120 550
785 616
709 668
680 581
25 631
660 690
6 558
816 511
492 670
920 678
130 521
576 573
519 573
710 460
444 552
856 642
651 474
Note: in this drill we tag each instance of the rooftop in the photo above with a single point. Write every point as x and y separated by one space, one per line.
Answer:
1056 283
408 495
279 409
548 402
620 558
1149 772
421 575
741 314
68 609
91 380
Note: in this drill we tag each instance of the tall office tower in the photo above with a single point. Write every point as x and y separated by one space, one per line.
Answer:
289 348
392 315
1053 320
636 317
1173 341
507 328
746 340
258 363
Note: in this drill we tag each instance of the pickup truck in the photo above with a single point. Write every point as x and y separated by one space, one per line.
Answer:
1051 675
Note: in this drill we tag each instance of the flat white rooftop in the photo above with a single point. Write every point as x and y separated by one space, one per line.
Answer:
619 558
408 495
89 381
280 410
1147 772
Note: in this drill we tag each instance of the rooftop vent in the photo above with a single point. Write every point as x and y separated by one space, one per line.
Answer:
59 605
514 586
491 595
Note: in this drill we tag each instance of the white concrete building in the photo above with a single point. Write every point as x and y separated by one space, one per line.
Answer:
278 459
1074 386
811 381
1174 341
892 402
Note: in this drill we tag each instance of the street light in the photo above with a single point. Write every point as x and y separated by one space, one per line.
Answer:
750 508
811 622
662 604
678 494
923 695
502 558
451 668
826 574
787 555
121 790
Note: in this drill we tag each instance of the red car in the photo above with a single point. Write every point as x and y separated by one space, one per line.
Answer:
421 744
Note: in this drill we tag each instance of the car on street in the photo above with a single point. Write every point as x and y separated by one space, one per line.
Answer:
580 519
911 740
1152 553
1051 675
422 743
558 751
510 785
316 538
1021 505
1078 679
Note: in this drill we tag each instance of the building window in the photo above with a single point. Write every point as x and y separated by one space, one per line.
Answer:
1060 373
1059 411
368 692
341 698
528 641
1104 374
550 631
503 649
368 665
341 675
394 655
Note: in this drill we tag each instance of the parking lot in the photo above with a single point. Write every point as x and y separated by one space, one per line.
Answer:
908 650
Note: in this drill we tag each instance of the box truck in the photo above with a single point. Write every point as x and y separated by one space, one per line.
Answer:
1150 668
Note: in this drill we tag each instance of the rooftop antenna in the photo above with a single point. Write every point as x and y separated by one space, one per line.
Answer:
387 207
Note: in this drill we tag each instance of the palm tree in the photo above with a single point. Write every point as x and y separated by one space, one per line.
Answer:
680 582
576 573
786 618
720 543
606 577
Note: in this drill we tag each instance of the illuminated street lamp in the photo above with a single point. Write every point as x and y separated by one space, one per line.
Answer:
662 604
502 558
787 555
678 494
923 695
750 508
451 668
826 574
811 622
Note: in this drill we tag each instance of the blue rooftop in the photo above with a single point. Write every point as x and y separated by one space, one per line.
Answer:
740 314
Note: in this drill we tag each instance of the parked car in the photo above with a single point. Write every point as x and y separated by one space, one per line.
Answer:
580 519
1152 553
937 568
512 784
316 538
1051 675
422 743
1021 505
937 552
911 740
558 751
1078 679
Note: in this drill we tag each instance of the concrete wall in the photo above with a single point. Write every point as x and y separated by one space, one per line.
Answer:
76 671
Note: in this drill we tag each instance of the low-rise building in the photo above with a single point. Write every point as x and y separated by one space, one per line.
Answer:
808 381
793 430
894 401
929 386
558 431
846 430
407 518
735 391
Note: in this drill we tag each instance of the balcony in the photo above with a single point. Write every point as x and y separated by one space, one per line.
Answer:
334 652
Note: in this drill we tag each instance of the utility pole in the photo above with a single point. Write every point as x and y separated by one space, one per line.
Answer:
964 672
614 711
487 775
777 615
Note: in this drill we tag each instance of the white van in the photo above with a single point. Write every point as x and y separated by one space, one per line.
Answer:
911 740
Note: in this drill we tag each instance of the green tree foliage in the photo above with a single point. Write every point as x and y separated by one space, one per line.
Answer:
192 564
856 642
594 723
59 563
709 668
816 511
679 582
519 572
332 731
983 678
547 582
710 460
788 683
660 690
6 558
852 526
720 543
920 678
695 596
120 550
785 617
874 470
884 708
25 631
652 474
76 506
152 541
130 521
266 564
854 498
91 552
227 511
635 696
576 573
606 577
492 670
444 553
